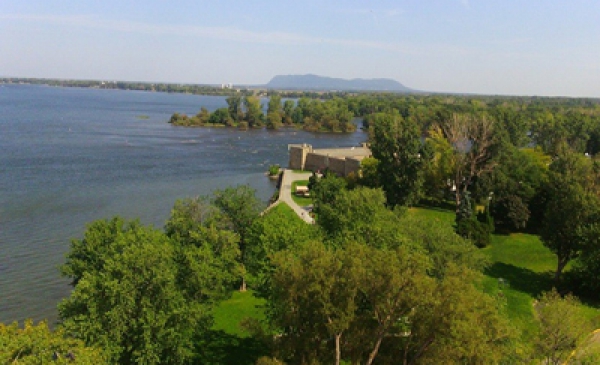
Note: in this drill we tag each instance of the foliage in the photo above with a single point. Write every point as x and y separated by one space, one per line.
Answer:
514 182
368 173
240 208
254 115
570 207
472 139
474 230
325 190
36 344
439 171
469 226
132 301
234 107
274 170
380 305
396 144
277 230
562 327
221 116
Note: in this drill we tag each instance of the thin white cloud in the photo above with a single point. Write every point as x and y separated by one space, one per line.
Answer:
219 33
232 34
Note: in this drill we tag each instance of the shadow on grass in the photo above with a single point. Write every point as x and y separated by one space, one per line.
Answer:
218 347
521 279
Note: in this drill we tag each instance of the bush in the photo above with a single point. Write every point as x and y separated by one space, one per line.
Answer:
273 170
474 230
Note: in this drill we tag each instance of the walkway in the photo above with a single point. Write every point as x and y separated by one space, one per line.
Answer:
285 193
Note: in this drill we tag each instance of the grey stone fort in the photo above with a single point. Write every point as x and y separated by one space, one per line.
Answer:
342 161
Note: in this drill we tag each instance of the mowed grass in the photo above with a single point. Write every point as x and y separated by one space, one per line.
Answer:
300 200
521 268
231 312
228 343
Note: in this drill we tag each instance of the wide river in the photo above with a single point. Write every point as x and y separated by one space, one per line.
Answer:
70 156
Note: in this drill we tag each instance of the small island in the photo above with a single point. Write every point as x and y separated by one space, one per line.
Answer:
312 115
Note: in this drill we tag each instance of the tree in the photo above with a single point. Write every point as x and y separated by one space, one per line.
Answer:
473 141
570 207
36 344
314 292
221 116
513 184
203 115
254 114
240 208
562 327
129 298
288 112
439 171
234 106
369 305
396 144
277 230
368 175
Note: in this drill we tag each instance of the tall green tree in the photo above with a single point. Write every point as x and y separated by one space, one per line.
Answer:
254 114
368 305
277 230
234 106
129 298
288 112
570 208
396 144
241 208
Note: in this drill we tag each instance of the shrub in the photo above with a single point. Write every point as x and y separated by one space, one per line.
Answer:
477 232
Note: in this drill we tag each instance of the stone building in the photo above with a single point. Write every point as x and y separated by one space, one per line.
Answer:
342 161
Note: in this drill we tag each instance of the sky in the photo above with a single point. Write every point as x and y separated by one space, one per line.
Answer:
505 47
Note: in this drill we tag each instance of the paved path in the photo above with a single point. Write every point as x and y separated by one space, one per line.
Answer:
285 193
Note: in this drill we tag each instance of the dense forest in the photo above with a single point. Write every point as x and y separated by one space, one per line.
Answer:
383 277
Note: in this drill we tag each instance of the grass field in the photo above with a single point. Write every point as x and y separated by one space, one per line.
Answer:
521 268
231 312
300 200
228 343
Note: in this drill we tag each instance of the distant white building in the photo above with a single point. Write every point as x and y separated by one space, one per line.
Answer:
227 86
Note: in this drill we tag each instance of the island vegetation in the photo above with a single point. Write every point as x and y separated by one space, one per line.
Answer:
312 115
472 236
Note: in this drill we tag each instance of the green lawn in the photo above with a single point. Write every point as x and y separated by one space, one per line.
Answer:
524 266
231 312
300 200
285 211
228 343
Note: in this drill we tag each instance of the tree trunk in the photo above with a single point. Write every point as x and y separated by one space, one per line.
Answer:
243 285
562 262
338 350
375 350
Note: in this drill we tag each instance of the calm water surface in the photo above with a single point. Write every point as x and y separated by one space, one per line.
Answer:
70 156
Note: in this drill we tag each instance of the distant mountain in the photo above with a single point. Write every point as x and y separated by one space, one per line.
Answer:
314 82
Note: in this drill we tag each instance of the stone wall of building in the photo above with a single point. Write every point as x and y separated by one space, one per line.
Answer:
315 162
342 161
298 155
352 165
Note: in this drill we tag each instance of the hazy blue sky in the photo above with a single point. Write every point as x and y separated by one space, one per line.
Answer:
529 47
